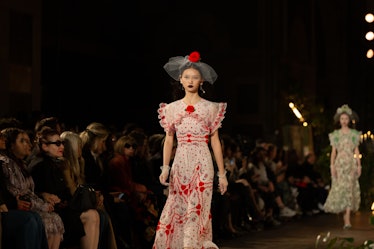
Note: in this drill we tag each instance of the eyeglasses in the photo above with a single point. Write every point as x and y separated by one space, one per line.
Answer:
128 146
58 143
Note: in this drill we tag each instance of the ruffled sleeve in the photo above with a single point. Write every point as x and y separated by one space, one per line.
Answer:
217 115
165 118
356 138
334 138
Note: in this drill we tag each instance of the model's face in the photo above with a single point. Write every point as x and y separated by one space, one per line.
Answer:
344 120
191 80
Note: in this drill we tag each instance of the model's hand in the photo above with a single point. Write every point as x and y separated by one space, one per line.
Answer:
222 183
164 175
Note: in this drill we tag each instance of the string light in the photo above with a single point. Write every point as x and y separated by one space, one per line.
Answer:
297 113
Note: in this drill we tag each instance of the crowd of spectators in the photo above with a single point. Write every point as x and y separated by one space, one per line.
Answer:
267 185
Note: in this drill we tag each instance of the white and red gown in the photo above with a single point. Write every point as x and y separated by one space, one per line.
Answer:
186 219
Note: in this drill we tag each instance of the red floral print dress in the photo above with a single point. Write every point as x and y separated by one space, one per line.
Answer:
186 219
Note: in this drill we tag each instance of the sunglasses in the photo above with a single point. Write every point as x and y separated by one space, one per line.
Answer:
58 143
128 146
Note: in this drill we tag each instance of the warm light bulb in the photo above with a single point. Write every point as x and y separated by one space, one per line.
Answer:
369 36
296 112
369 17
369 54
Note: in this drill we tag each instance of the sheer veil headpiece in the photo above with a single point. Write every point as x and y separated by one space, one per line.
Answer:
177 64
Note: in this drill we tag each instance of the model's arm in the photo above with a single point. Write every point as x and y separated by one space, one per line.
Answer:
167 150
358 160
217 151
332 162
168 147
357 157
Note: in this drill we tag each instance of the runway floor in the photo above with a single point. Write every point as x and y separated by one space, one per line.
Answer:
302 233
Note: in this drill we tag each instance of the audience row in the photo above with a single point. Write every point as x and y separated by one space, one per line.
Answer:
42 167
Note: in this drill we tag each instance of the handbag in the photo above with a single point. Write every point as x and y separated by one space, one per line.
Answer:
84 198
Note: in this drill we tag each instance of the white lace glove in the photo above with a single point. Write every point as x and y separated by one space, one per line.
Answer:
222 183
164 175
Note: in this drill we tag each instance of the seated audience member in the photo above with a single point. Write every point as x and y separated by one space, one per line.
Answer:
82 228
52 122
155 150
19 229
74 176
20 184
140 200
312 190
94 153
258 174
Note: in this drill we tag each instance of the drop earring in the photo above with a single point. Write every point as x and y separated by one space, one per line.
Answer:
201 88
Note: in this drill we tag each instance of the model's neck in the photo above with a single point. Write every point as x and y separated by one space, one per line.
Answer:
191 99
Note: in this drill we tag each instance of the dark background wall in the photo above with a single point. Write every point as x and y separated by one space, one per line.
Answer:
102 60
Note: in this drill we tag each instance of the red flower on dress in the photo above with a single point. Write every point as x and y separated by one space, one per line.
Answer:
194 56
190 109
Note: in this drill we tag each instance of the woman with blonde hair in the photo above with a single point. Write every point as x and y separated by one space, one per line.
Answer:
74 175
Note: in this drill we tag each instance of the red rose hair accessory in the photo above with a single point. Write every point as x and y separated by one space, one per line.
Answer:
176 65
194 56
